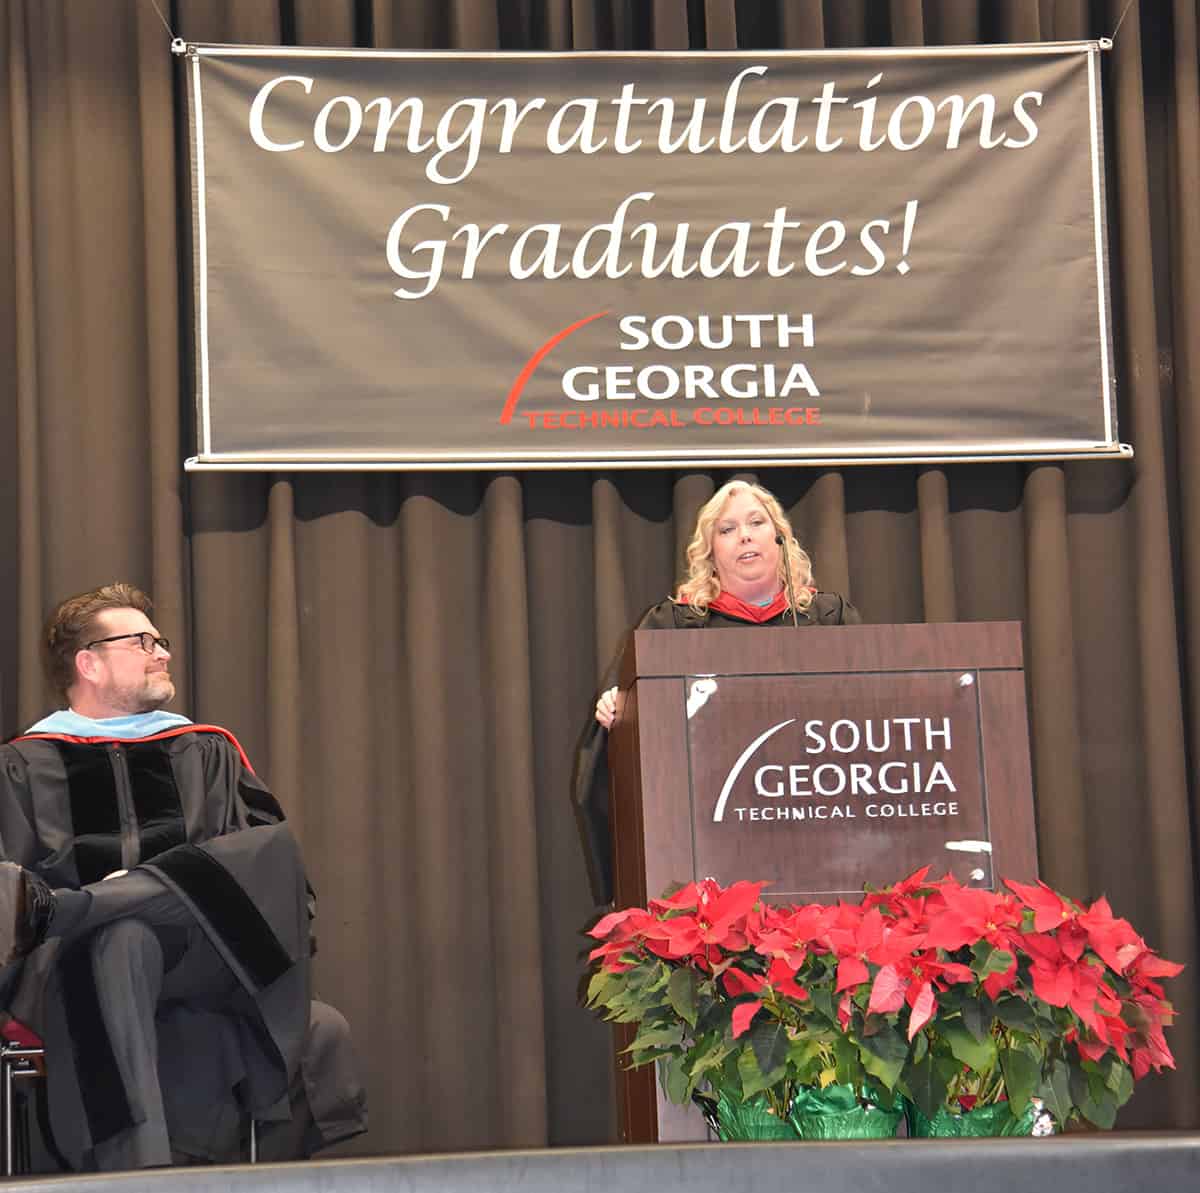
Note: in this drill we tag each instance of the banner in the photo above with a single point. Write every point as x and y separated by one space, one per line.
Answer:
444 260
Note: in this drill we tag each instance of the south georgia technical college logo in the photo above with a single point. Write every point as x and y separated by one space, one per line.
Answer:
673 371
894 768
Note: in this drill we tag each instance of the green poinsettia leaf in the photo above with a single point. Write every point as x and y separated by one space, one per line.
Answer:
989 960
927 1083
631 1006
1016 1013
712 1014
1101 1111
805 1061
770 1042
660 1035
884 1098
643 980
976 1019
1093 1099
979 1055
920 1048
803 1049
1098 1091
883 1055
682 991
1120 1082
848 1063
640 998
746 1067
1055 1090
674 1079
753 1079
597 987
872 1023
706 1058
1022 1069
728 1075
1077 1083
822 1001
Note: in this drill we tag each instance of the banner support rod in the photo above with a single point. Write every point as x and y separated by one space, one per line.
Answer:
1121 451
1106 43
165 25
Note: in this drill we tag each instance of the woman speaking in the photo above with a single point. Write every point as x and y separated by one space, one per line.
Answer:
738 564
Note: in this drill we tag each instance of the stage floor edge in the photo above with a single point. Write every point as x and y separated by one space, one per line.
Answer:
1119 1162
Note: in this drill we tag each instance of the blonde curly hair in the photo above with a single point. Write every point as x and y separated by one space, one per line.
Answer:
701 586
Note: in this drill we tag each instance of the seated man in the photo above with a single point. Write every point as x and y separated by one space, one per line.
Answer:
154 919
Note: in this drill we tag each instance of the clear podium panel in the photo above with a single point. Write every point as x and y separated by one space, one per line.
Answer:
812 781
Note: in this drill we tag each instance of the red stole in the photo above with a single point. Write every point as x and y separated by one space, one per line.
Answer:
731 606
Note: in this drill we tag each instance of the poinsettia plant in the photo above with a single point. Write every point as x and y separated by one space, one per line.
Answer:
948 996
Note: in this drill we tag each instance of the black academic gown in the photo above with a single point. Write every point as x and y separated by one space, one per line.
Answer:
590 782
186 806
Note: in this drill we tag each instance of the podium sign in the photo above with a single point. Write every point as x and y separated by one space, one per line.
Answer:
818 760
814 790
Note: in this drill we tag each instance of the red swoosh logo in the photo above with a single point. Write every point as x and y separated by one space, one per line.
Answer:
536 359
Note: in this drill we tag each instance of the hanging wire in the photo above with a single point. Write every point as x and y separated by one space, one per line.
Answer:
154 5
1128 6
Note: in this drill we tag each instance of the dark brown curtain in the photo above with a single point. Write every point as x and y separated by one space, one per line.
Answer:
409 657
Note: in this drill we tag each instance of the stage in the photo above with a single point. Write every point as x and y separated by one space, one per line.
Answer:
1115 1163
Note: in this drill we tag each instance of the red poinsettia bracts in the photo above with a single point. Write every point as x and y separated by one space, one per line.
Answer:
920 966
899 899
621 932
1148 966
789 933
711 921
915 979
965 916
780 979
1112 940
1049 908
862 938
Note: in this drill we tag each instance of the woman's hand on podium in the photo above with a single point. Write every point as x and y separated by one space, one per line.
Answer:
606 708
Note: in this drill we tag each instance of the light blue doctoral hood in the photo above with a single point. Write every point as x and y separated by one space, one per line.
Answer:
134 725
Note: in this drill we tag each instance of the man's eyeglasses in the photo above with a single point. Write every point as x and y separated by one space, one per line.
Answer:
145 640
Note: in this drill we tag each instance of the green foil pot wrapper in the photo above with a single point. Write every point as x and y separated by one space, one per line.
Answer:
836 1112
981 1122
750 1120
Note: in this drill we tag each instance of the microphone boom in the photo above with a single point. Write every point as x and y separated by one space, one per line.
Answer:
787 577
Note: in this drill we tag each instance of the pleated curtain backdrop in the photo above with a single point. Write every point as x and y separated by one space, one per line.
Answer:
409 657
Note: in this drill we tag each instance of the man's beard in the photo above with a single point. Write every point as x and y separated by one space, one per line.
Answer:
155 691
159 691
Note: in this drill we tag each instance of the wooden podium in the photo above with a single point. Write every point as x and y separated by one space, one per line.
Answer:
819 760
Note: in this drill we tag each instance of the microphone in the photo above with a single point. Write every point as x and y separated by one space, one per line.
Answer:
781 541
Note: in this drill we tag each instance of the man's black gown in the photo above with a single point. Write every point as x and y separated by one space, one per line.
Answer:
220 880
590 783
